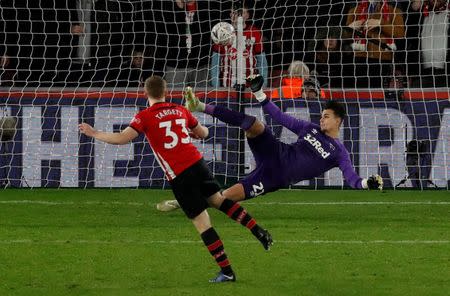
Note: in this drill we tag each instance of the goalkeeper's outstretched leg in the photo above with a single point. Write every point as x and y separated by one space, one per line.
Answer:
252 126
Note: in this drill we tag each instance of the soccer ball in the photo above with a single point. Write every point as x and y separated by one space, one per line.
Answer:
222 33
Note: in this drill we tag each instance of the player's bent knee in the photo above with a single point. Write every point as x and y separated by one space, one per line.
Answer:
215 200
235 193
255 130
202 222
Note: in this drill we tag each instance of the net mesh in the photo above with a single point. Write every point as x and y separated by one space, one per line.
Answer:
66 62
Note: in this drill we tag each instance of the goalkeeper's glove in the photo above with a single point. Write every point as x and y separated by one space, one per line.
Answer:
193 104
256 83
373 182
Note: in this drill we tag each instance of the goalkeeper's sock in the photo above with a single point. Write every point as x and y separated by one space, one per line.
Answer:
230 117
215 247
364 184
260 95
239 214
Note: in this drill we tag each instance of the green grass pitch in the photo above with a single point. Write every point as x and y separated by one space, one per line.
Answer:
327 242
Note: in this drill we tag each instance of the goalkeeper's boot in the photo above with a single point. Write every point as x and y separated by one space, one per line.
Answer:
265 238
221 278
192 103
255 82
168 205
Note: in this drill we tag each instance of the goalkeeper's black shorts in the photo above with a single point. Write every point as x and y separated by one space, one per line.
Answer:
193 186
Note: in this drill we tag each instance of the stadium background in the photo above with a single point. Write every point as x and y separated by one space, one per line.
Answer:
53 81
92 241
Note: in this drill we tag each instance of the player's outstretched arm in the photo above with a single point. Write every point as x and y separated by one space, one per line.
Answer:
349 173
293 124
353 179
121 138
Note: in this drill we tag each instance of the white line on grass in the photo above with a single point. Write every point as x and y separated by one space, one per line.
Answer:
351 203
58 203
181 242
300 203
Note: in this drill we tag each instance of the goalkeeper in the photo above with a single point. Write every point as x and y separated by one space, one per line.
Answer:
278 164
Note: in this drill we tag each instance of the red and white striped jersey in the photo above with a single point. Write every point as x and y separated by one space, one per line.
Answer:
166 126
228 56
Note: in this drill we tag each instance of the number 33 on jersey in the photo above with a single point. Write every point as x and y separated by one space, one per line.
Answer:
166 127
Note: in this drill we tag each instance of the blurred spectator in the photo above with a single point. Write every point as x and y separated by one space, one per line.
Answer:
412 54
41 36
180 30
7 67
281 42
38 40
18 20
326 58
279 52
79 36
323 14
103 33
132 72
111 38
311 89
291 85
376 24
433 41
6 71
70 31
224 60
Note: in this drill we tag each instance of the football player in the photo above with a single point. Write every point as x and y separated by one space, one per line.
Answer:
167 127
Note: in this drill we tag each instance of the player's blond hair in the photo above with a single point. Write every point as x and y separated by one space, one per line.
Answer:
155 86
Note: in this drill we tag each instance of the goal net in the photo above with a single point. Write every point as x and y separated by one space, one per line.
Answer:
67 62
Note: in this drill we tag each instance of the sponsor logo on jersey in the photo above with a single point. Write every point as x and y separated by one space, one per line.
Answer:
232 53
246 53
250 41
317 145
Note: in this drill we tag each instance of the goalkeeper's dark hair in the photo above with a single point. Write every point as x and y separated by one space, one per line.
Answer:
155 86
338 108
